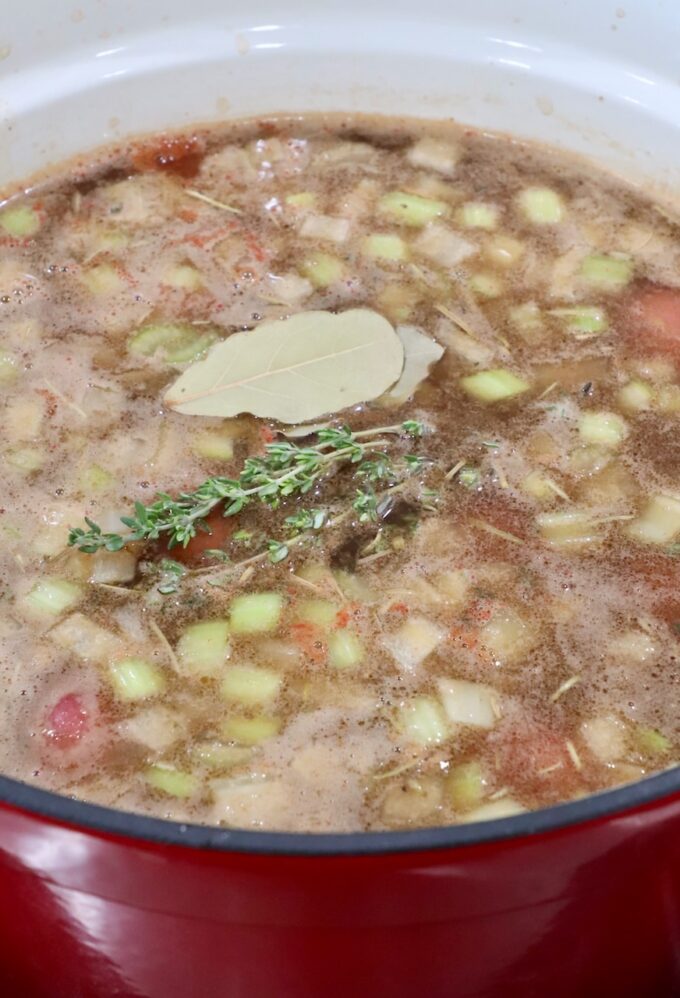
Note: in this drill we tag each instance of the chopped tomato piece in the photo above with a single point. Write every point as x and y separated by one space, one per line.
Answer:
535 758
220 530
176 155
267 435
308 639
657 319
67 722
465 637
401 608
342 618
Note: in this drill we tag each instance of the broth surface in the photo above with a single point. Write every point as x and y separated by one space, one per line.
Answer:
485 618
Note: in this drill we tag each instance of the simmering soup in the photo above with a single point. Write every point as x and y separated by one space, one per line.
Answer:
341 477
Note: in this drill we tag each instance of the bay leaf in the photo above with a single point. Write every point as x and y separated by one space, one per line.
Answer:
420 353
294 369
302 430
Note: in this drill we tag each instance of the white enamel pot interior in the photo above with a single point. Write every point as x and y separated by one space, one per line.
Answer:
600 77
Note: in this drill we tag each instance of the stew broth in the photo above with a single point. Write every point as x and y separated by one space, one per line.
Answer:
475 615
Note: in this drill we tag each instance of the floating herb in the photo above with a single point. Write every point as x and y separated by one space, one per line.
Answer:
284 471
295 369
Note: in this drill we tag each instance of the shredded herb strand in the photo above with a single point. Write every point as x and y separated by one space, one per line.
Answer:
285 470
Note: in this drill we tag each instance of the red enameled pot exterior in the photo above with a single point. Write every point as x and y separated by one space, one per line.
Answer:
587 909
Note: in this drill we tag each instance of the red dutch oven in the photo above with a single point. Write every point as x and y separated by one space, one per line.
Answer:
581 899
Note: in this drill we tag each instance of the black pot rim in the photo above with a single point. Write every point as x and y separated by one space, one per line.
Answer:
142 829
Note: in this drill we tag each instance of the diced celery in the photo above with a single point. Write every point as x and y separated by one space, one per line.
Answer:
423 721
569 529
320 612
541 205
466 786
668 399
659 521
108 241
494 386
217 755
316 573
135 679
255 613
636 396
504 251
526 316
583 319
604 429
203 648
26 459
477 215
397 301
20 221
102 279
385 247
53 596
468 703
95 478
250 684
506 807
353 586
485 285
184 276
537 486
434 154
322 269
214 446
345 650
250 730
651 742
588 460
303 199
410 209
508 636
607 272
175 342
411 643
171 781
8 368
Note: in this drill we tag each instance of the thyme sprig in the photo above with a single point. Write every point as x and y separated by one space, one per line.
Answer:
285 470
